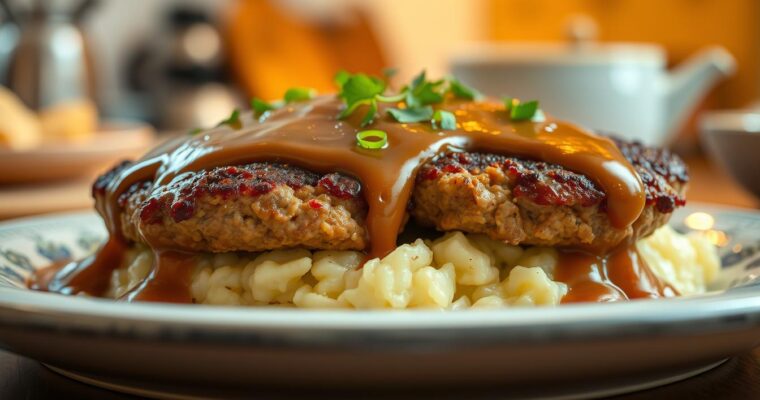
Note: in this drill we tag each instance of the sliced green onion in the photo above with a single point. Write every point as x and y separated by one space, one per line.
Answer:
445 119
372 139
523 111
299 94
194 131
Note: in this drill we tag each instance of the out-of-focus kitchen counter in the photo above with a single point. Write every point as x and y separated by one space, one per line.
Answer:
710 184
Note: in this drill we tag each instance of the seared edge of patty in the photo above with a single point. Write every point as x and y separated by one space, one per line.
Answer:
532 202
253 207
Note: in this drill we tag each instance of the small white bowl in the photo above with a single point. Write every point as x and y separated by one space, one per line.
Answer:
732 139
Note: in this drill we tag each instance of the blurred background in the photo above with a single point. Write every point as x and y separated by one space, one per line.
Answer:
84 83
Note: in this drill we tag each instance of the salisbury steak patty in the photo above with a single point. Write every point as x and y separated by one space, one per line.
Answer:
532 202
264 206
254 207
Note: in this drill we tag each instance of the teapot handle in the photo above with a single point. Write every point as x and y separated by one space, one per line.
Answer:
690 81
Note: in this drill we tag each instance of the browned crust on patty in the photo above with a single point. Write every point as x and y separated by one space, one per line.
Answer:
531 202
254 207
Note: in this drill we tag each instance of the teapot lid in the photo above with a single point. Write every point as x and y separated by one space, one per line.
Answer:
545 53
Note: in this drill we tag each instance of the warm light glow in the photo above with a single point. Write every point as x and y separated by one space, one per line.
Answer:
202 42
472 126
718 238
700 221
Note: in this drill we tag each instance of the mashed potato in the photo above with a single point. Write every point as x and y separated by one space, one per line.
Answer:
456 271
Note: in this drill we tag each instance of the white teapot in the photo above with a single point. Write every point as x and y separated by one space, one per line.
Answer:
620 88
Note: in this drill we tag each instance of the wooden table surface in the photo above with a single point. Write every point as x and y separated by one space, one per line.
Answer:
739 378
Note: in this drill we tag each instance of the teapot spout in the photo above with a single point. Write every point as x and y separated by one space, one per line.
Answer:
690 81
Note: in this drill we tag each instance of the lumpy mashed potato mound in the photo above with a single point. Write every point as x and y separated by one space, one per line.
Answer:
456 271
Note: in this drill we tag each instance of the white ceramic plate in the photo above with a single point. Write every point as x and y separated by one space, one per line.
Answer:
570 351
114 141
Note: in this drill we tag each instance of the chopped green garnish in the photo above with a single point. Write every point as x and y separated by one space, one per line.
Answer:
445 119
519 111
410 115
341 77
509 102
233 121
462 91
357 90
422 92
194 131
391 99
299 94
372 139
370 115
260 106
362 90
360 87
523 111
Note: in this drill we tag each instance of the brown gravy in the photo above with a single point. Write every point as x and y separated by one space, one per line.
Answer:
308 134
619 275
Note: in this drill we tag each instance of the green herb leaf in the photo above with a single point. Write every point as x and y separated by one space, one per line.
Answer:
194 131
372 139
409 115
445 119
299 94
260 106
509 102
359 89
370 115
462 91
233 121
419 79
523 111
422 92
341 77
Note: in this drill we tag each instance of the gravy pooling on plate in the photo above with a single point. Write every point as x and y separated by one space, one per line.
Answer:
309 134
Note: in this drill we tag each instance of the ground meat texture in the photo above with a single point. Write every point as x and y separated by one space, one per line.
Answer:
254 207
531 202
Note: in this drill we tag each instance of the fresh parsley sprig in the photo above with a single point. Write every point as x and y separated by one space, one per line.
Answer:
357 90
418 96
